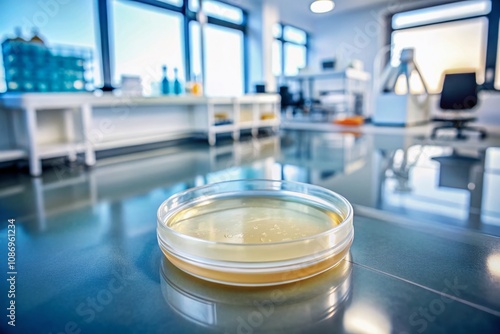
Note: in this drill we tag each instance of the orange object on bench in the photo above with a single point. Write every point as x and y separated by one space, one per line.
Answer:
350 121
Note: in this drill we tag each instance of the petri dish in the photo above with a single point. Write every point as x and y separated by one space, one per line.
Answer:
255 232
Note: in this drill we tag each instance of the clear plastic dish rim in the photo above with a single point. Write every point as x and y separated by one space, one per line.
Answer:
161 217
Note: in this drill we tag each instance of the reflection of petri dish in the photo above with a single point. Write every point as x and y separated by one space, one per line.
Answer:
301 306
255 232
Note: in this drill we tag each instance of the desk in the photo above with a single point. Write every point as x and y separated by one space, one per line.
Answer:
105 252
90 123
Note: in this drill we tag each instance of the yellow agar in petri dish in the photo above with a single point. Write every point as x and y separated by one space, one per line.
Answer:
253 220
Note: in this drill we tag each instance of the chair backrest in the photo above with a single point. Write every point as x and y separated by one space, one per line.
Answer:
459 91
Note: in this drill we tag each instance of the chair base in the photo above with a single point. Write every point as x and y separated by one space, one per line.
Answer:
460 127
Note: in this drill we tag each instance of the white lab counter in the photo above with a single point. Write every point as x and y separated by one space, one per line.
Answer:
65 124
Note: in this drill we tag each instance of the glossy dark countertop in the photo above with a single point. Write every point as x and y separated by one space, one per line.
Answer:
426 255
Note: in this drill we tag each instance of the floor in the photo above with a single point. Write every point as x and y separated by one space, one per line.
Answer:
426 255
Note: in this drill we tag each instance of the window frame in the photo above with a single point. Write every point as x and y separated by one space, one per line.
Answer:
283 41
492 34
188 15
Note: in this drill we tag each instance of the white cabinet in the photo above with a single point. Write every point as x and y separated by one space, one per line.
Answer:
257 111
233 115
35 135
66 124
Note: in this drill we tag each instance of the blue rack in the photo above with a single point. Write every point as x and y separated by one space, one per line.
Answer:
31 67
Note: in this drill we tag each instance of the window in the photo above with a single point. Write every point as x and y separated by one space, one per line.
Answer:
456 45
295 58
138 38
219 10
438 14
289 50
457 33
223 51
60 23
145 39
294 35
223 61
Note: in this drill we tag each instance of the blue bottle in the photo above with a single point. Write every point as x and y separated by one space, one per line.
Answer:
177 83
165 84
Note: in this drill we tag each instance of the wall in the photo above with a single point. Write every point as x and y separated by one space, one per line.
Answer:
349 35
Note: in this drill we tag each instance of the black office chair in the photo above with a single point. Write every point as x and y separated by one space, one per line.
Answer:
459 93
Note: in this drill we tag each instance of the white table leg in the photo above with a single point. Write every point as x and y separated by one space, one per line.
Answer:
86 123
69 131
69 125
211 123
255 119
236 135
211 138
31 133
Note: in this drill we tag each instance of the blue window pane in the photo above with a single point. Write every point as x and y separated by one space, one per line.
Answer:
193 5
295 58
436 14
219 10
145 39
177 3
222 11
195 45
223 61
295 35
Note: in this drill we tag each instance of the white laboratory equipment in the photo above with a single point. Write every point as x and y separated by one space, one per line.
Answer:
401 96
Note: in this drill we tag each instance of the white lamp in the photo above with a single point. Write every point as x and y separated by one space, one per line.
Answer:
322 6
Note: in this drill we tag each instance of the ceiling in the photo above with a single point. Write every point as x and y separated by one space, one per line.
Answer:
294 11
302 6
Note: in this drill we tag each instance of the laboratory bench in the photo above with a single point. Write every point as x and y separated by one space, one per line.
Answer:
47 125
425 259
